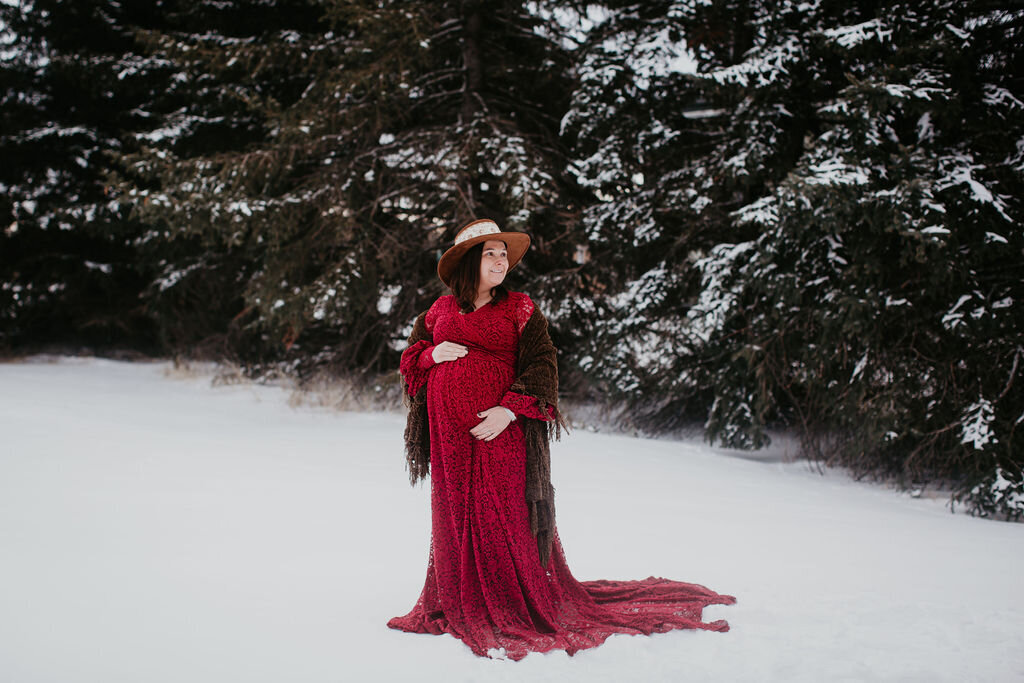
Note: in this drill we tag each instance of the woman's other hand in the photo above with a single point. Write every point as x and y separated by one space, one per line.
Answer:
494 422
446 351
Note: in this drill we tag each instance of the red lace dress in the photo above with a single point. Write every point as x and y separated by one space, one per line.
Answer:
484 581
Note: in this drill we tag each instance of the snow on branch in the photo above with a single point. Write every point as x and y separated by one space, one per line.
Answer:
1000 98
851 36
717 298
172 276
179 124
836 172
653 55
959 170
976 425
764 211
762 67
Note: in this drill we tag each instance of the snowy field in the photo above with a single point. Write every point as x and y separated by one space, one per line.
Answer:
154 528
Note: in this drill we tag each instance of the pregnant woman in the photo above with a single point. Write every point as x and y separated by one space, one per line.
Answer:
482 376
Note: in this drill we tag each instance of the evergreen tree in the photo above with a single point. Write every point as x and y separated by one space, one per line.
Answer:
89 87
213 202
69 87
643 127
412 118
816 227
864 192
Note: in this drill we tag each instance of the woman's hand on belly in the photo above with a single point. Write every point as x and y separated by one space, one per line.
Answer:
448 351
495 420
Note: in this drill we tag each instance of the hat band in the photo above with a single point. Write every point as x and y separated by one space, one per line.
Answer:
481 228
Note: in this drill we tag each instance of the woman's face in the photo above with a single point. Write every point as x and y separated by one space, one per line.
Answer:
493 264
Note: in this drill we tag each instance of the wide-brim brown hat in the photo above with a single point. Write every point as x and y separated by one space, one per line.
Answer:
480 231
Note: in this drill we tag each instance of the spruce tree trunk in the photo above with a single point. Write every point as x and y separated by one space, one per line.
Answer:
471 59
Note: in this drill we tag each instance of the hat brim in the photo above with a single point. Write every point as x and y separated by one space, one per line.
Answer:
516 242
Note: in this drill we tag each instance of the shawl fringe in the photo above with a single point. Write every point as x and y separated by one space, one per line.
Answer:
417 426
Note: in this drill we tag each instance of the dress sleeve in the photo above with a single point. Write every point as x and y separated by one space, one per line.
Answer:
416 363
524 405
417 359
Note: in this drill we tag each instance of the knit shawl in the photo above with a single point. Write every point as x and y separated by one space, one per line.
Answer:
536 376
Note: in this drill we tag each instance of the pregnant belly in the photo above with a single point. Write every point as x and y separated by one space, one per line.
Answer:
460 389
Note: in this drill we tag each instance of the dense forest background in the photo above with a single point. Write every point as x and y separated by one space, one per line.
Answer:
747 215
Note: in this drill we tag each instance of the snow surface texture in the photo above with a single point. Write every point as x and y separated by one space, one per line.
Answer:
153 528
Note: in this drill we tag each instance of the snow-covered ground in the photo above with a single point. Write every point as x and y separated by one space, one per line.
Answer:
154 528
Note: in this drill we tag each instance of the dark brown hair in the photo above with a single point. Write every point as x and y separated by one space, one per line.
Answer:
466 278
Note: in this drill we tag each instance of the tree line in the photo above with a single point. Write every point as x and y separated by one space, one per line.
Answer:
746 215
